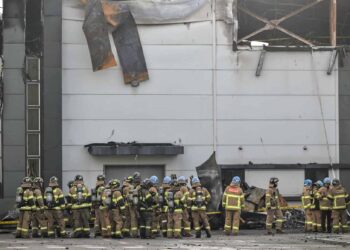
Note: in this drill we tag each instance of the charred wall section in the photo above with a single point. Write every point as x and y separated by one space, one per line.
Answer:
312 24
13 141
52 90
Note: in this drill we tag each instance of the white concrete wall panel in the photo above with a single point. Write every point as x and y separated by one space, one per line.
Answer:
82 132
274 154
275 107
275 133
288 184
162 82
157 107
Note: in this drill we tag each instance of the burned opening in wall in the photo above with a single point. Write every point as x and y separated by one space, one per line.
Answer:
292 22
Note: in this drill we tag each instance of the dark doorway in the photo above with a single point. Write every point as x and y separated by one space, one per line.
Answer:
316 174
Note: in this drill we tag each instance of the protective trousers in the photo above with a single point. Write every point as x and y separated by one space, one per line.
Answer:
316 221
199 216
232 220
117 221
155 223
164 223
23 224
133 221
52 217
105 223
39 222
97 222
126 227
81 222
308 220
326 215
174 225
271 213
340 221
146 218
186 224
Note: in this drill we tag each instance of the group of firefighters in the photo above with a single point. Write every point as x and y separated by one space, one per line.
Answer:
325 203
146 208
133 208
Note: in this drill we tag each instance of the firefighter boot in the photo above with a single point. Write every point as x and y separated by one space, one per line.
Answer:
208 233
35 233
279 231
198 234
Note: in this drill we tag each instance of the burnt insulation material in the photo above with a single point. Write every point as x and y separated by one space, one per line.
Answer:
34 28
312 24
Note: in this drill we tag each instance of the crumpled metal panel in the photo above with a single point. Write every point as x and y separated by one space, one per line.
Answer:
210 176
96 31
127 41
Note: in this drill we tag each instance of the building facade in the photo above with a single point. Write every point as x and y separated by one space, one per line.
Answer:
201 95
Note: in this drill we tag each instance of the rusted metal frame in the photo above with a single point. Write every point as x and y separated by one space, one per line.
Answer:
333 22
261 63
274 24
332 61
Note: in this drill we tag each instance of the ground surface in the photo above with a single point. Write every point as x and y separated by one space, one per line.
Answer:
248 239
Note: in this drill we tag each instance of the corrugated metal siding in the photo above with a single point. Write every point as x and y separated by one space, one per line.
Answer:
272 116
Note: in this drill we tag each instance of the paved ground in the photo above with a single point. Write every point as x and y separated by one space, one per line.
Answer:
249 239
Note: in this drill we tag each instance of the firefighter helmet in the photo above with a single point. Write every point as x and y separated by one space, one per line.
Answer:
136 177
129 179
327 180
53 181
78 177
101 177
166 180
26 182
154 180
335 182
195 180
274 180
115 183
146 183
70 184
182 180
307 183
38 180
236 180
319 184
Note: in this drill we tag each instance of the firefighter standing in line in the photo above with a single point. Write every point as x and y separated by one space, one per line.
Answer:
81 203
339 198
174 202
54 205
156 209
96 194
273 208
38 216
307 201
199 198
134 205
315 207
233 202
186 223
117 209
68 210
163 205
325 206
106 203
147 200
25 204
127 199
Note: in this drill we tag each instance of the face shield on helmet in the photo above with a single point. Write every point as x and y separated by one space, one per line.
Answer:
307 183
236 180
154 180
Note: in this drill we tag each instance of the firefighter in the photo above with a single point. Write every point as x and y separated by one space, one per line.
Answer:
339 198
307 201
233 202
81 204
156 208
128 200
134 205
68 210
186 223
325 206
147 200
38 216
315 207
273 208
96 194
163 205
54 205
106 203
199 199
25 204
175 203
117 209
